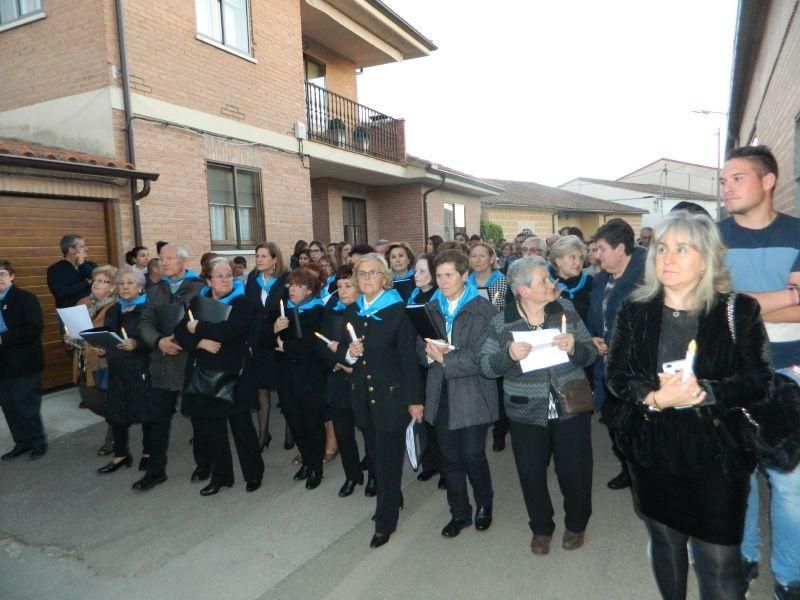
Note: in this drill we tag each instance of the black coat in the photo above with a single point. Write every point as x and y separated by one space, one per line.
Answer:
300 371
21 347
234 355
128 377
262 339
68 284
685 474
338 386
386 379
404 287
580 298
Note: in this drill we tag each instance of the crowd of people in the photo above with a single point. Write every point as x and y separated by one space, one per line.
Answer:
676 343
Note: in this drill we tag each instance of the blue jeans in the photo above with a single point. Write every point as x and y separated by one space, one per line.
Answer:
785 521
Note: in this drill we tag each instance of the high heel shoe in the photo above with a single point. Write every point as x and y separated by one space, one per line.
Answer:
116 465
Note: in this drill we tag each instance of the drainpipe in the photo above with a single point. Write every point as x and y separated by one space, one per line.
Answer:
425 207
129 145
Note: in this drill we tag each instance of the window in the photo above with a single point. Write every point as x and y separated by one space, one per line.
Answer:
355 220
315 71
225 22
454 220
15 10
234 206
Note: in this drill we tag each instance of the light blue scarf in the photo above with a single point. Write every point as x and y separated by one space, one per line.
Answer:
470 292
387 298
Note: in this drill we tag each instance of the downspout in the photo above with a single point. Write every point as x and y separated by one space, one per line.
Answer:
425 207
129 145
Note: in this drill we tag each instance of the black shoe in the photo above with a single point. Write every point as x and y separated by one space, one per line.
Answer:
454 527
426 475
303 473
17 450
620 482
788 592
314 479
363 464
348 487
113 466
379 539
253 485
499 444
143 463
38 452
441 485
483 518
212 488
749 570
148 482
371 489
200 474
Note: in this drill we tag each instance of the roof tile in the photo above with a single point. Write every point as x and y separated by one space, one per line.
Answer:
19 147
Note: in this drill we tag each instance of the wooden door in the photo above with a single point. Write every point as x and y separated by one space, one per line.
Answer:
30 230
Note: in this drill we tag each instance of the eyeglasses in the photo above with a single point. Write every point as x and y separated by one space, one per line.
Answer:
369 274
315 251
106 281
302 286
220 276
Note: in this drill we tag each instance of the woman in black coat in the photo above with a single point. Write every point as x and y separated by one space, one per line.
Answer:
385 381
222 346
266 287
689 476
301 378
566 257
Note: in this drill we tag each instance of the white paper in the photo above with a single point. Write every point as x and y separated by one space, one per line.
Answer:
411 447
76 319
543 354
675 366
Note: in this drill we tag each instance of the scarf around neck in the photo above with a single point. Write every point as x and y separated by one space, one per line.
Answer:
407 275
305 305
140 299
385 299
470 292
493 278
235 293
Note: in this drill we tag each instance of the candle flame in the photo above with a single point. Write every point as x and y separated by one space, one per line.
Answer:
692 347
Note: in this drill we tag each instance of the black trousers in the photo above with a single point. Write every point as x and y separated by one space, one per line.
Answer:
607 411
305 415
432 457
212 448
345 429
388 450
570 445
155 433
21 401
463 455
501 425
718 567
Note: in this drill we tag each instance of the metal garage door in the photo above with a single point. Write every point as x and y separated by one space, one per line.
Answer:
30 229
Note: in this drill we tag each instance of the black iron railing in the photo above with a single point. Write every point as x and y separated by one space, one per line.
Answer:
336 120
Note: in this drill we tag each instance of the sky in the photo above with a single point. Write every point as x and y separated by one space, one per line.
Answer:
544 91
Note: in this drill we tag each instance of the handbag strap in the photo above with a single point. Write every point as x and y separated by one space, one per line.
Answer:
731 321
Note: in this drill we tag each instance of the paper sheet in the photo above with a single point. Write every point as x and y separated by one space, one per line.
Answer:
543 354
411 446
76 319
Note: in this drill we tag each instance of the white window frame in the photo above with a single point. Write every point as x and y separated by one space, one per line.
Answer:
24 19
455 209
220 43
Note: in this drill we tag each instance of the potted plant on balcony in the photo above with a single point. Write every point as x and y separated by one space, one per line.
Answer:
361 138
336 131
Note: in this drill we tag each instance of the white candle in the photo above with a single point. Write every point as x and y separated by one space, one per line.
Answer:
688 368
322 337
563 323
191 316
66 330
352 332
442 344
283 312
124 333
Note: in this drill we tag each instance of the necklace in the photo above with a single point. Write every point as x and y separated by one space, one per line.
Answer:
531 326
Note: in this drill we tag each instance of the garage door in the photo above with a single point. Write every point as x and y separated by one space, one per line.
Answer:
30 229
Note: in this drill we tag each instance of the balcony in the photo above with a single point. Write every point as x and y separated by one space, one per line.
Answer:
338 121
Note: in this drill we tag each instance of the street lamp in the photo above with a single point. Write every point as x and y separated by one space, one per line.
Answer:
703 111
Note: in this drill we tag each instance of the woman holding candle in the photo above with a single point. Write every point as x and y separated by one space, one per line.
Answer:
301 378
385 381
222 347
566 258
540 426
690 480
459 402
485 274
400 258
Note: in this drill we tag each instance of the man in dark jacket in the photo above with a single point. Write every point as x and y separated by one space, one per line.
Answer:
70 279
623 268
21 366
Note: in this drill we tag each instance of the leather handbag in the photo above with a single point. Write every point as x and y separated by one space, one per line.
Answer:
576 397
215 385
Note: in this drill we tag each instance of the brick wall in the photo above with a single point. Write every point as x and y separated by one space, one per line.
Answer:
340 73
399 209
472 211
513 220
775 124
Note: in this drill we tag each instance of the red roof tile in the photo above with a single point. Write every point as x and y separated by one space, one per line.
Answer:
19 147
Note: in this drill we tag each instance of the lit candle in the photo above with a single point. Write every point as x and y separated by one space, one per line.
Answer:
496 296
563 323
124 333
352 332
442 344
322 337
191 316
283 312
688 368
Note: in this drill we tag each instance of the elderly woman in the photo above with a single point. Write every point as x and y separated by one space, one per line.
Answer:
689 478
89 371
485 274
423 280
459 401
128 377
566 258
385 381
534 401
400 258
266 287
222 347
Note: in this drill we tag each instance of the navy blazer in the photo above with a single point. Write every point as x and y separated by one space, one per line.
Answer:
21 348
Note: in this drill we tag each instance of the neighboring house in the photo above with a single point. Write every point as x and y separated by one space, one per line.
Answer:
656 199
764 105
687 176
545 209
246 112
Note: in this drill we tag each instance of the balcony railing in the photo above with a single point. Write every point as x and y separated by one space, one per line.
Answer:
336 120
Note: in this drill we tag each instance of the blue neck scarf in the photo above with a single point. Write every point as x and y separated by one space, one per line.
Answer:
493 278
562 287
311 302
339 306
413 296
470 292
408 275
387 298
330 280
140 299
235 293
265 285
188 275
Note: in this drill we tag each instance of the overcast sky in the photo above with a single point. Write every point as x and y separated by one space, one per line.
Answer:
544 91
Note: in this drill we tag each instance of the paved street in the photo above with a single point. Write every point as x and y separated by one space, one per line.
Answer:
67 533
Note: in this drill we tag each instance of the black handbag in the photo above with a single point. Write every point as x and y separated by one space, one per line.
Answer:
216 385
